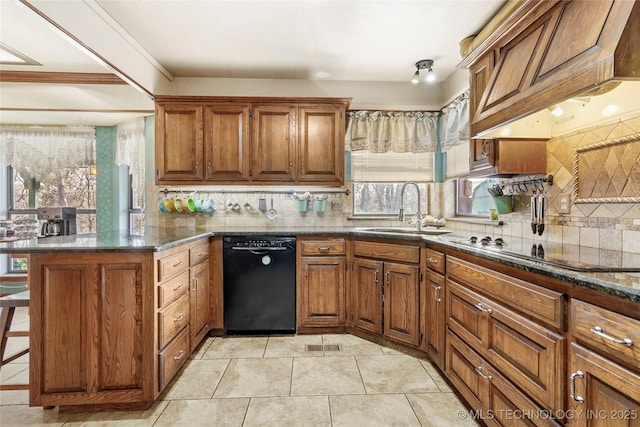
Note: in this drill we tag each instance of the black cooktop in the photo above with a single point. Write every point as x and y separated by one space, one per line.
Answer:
572 257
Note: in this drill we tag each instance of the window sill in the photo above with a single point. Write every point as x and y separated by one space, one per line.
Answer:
480 221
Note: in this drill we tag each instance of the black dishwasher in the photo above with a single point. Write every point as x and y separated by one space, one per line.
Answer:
259 285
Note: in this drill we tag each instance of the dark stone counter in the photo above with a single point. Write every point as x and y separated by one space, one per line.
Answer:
622 285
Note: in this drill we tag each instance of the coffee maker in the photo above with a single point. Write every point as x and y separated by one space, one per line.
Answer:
57 221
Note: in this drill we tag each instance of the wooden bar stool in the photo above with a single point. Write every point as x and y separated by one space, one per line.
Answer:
8 306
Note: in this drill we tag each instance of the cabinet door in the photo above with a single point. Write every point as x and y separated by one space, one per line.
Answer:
481 155
200 309
90 346
436 321
367 283
226 142
179 143
321 144
273 143
602 392
530 355
401 293
322 294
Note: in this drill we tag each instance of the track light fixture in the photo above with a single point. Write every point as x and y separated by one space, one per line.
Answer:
424 64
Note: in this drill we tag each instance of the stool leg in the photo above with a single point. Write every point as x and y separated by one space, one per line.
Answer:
6 316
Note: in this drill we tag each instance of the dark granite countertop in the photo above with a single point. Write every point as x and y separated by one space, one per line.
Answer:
619 284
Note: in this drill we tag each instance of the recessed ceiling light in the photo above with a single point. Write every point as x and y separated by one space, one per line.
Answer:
557 111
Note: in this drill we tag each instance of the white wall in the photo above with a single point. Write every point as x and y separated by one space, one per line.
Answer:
365 95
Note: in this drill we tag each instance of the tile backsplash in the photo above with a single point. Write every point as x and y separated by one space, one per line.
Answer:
602 225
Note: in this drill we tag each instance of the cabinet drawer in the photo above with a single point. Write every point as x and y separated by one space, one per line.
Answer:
173 357
606 331
533 300
435 261
172 289
530 355
172 319
323 247
171 265
199 253
387 251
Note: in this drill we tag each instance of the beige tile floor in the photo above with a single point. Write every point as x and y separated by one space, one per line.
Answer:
271 381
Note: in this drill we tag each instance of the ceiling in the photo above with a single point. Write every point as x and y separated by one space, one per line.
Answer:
156 44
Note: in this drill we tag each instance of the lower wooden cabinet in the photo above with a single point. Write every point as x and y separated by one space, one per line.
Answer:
601 392
92 329
112 329
386 294
531 356
321 293
436 321
493 398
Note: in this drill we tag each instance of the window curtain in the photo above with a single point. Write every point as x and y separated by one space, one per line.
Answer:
400 132
130 152
454 123
42 151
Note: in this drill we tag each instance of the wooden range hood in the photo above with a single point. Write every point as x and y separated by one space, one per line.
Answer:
547 51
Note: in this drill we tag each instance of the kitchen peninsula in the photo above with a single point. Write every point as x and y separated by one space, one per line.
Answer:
113 317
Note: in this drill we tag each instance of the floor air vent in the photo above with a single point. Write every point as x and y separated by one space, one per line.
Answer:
325 347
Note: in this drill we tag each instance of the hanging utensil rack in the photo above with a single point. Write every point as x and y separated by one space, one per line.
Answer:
166 191
535 185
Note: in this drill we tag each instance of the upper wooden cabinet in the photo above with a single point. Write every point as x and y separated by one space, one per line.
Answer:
507 156
548 51
179 143
202 140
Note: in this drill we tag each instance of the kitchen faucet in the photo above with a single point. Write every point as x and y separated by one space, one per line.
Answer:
418 213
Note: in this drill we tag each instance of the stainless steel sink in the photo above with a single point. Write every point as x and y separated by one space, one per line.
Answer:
429 231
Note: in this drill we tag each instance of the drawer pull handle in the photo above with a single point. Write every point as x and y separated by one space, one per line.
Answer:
572 392
375 277
486 377
386 278
180 355
178 263
598 331
195 284
202 254
178 318
323 249
177 288
480 307
432 260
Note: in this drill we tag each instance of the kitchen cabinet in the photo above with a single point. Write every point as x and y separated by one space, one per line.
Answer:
321 285
226 142
604 379
179 143
386 290
111 329
92 329
240 140
488 392
273 143
435 315
199 293
547 52
321 144
482 311
507 156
